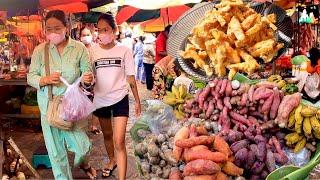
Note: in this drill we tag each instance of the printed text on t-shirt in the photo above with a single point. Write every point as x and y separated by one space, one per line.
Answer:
108 62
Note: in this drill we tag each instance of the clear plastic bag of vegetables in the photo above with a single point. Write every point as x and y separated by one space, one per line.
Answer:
76 105
159 116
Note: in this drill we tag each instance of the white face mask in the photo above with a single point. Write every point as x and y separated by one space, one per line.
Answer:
56 38
106 38
86 40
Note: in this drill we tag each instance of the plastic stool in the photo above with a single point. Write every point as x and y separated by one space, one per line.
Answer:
41 158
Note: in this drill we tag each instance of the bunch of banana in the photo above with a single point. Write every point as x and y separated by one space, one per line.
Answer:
278 80
305 122
176 98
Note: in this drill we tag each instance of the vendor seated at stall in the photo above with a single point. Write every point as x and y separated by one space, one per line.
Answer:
183 79
22 57
164 73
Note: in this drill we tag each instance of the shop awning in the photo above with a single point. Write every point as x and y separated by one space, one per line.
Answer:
156 4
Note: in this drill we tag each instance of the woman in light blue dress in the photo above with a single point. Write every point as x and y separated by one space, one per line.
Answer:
138 60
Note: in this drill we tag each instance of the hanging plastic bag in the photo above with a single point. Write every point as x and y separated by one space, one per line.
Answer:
159 116
76 104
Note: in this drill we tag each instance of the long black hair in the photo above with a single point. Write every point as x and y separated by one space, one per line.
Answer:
58 14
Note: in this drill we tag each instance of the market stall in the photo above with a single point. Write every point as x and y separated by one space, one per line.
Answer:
254 119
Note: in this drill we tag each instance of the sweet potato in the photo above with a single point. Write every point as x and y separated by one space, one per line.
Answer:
199 147
217 157
229 89
223 86
193 141
257 167
236 146
243 111
221 176
254 149
235 99
201 130
261 93
218 87
205 106
210 109
183 133
262 151
213 83
249 135
250 161
267 105
256 114
203 95
244 99
264 174
288 103
270 161
219 104
239 118
175 174
235 136
222 146
201 167
280 158
241 156
231 169
258 138
250 93
225 123
243 88
275 104
266 84
193 131
267 125
226 102
200 177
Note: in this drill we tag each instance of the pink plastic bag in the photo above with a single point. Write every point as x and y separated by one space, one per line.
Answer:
76 105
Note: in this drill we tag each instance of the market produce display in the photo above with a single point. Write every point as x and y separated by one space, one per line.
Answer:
232 36
176 99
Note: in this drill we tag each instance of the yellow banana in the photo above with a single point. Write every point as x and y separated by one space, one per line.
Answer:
175 91
170 94
316 134
299 119
180 108
315 124
291 120
300 145
178 114
307 127
274 78
169 100
292 138
281 84
318 114
182 91
308 111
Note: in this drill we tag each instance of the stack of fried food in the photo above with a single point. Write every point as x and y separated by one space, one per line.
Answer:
230 38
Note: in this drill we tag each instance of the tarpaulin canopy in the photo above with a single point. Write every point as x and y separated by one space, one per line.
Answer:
19 7
156 4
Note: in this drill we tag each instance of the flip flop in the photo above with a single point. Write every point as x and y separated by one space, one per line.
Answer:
108 171
96 131
88 172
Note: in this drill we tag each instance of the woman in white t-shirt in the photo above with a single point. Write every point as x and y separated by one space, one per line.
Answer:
114 67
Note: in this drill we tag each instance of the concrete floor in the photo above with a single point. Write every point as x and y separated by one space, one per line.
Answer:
28 140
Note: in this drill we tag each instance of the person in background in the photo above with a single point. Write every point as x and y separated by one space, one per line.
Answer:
163 74
114 68
149 59
127 40
87 39
161 44
69 59
138 60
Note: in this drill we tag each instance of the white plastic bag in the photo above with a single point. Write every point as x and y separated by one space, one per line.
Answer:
76 104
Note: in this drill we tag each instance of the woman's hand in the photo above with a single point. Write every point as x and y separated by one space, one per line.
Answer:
138 109
87 78
53 79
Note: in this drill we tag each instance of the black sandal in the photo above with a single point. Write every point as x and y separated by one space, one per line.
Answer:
96 131
89 172
108 171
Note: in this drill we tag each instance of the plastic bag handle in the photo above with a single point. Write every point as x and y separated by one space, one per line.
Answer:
66 82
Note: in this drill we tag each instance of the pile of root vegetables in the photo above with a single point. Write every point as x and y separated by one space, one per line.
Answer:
205 156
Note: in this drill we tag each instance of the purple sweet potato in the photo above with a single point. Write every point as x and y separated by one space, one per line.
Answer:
235 147
257 167
205 106
244 99
264 174
251 159
234 136
258 138
218 86
280 158
270 161
250 93
255 177
210 109
203 96
239 118
262 151
241 156
249 135
267 105
262 93
219 104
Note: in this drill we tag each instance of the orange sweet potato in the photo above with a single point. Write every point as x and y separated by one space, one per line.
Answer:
221 176
217 157
200 177
201 130
222 146
183 133
175 174
194 141
232 170
193 131
201 167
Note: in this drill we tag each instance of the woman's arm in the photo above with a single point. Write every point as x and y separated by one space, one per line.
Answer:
132 82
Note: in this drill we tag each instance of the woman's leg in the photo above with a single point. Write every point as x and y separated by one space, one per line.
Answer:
57 152
95 124
149 80
106 127
120 124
